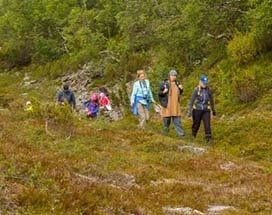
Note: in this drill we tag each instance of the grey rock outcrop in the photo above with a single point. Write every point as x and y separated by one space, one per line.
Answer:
192 149
81 83
181 210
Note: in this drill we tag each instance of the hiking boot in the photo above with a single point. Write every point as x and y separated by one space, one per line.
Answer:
209 141
192 137
141 127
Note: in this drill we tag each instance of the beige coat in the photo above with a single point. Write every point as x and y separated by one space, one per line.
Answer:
173 107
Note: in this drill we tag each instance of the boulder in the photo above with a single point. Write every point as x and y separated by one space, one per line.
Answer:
181 210
80 82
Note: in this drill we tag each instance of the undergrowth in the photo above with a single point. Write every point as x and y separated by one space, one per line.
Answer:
114 168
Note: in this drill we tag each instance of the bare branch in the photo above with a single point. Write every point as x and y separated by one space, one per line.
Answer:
220 36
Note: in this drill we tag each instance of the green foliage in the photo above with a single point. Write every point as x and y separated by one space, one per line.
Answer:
246 135
126 35
89 172
176 34
80 33
60 67
50 111
242 49
49 50
135 22
246 85
62 113
261 23
15 46
31 32
236 84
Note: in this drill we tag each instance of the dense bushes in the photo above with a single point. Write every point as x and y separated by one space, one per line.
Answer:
261 23
41 32
236 84
245 85
242 49
58 37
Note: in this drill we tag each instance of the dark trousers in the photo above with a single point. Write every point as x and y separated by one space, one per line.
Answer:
204 115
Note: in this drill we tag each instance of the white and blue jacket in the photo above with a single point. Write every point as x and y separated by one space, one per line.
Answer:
141 93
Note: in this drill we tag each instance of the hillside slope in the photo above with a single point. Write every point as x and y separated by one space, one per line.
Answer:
112 168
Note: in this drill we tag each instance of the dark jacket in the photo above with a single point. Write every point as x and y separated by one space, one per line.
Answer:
201 99
67 96
163 97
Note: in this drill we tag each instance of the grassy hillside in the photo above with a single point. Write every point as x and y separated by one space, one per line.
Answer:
113 168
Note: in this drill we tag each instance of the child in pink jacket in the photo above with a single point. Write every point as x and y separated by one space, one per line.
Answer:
104 101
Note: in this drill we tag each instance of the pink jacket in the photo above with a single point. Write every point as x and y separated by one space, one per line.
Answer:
104 101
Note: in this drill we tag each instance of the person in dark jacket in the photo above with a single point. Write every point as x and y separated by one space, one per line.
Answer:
66 95
200 107
169 95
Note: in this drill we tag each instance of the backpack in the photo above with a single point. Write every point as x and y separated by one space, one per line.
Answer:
65 96
163 98
86 103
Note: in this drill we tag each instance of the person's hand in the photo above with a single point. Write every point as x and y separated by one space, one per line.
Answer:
131 104
165 90
180 86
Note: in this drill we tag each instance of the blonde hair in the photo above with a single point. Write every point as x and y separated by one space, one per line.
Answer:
28 103
140 72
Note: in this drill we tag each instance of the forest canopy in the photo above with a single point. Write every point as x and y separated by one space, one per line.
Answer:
129 33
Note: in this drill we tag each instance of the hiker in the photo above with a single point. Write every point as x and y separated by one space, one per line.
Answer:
92 105
169 95
104 102
29 107
66 95
141 98
200 106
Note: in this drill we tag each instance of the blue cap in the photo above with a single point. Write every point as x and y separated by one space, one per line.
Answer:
173 73
204 79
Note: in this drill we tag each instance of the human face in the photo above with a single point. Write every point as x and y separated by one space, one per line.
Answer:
142 76
202 84
172 78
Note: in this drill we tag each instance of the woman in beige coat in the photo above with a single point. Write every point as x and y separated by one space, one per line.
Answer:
169 94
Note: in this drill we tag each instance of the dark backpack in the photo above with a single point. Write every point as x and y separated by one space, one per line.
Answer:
163 98
65 96
86 103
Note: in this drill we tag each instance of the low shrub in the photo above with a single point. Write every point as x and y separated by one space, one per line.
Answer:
246 85
242 49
